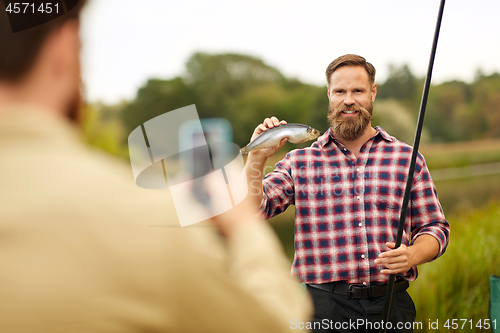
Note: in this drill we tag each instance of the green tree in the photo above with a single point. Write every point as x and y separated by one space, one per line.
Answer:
293 101
485 106
220 78
102 131
447 114
400 84
240 88
397 120
156 98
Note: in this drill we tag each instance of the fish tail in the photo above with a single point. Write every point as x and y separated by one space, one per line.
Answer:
244 151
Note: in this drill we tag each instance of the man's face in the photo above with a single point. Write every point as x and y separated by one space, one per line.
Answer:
351 96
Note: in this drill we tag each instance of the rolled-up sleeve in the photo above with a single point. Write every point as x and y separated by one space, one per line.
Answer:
278 189
427 217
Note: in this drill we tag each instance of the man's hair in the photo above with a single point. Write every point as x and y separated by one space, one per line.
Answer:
19 51
350 60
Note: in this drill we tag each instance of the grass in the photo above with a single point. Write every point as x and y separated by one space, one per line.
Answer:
456 286
459 154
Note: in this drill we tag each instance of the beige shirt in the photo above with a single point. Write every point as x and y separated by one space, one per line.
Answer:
83 249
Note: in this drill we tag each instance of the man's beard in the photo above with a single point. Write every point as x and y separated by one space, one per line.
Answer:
74 106
349 128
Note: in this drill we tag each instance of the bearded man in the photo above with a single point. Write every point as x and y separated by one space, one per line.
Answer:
347 188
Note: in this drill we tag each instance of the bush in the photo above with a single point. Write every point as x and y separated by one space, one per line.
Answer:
456 286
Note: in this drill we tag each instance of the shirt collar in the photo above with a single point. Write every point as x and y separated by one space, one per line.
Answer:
36 123
384 134
328 136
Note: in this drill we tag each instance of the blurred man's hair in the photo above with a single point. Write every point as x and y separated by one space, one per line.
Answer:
19 51
350 60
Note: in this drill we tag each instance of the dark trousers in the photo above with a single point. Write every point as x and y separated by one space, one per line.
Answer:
339 313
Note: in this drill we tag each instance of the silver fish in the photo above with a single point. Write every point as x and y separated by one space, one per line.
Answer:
296 133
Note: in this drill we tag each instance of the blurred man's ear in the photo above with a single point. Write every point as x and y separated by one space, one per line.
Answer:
64 44
57 69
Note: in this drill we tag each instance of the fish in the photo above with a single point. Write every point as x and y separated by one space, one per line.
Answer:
296 133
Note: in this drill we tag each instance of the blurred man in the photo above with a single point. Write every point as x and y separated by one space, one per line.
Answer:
348 189
77 250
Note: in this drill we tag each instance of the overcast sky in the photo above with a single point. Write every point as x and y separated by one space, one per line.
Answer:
127 42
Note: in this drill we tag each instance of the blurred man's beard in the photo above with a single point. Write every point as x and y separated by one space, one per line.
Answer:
74 107
349 128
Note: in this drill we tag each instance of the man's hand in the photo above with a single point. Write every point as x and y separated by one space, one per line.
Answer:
396 261
240 215
256 160
423 249
229 219
261 128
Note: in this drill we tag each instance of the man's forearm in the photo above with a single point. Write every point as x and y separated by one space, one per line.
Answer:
424 248
254 169
257 159
400 260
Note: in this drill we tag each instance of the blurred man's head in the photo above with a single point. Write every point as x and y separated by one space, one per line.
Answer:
351 92
41 65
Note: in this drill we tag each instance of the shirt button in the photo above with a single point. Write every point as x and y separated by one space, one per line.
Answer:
345 149
362 256
361 224
358 197
364 283
358 169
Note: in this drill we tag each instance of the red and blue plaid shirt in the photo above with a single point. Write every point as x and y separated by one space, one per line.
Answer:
347 208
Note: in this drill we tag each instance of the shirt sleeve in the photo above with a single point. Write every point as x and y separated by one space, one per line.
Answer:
278 189
426 213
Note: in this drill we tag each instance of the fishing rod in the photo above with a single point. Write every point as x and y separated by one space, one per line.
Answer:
402 218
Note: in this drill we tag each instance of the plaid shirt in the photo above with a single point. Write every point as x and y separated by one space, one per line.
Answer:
346 209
